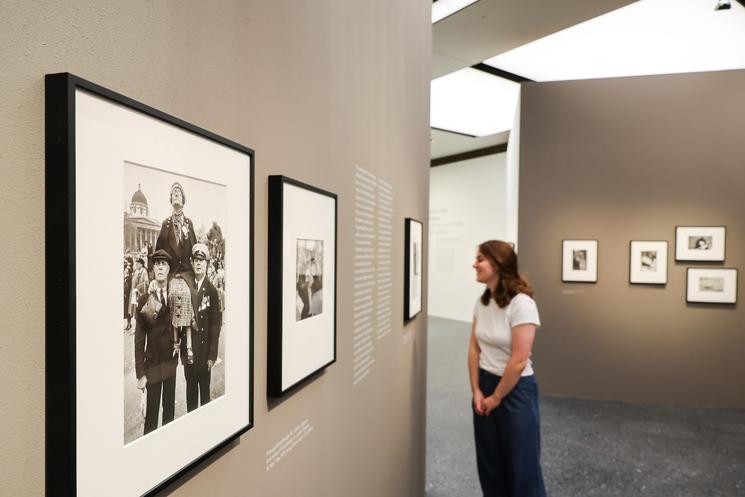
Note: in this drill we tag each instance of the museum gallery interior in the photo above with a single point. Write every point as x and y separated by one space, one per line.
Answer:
242 238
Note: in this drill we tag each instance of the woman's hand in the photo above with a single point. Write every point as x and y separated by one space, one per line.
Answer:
490 403
478 401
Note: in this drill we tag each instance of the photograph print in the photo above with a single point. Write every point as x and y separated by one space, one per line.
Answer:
152 351
174 296
579 261
301 279
648 262
711 285
309 274
700 243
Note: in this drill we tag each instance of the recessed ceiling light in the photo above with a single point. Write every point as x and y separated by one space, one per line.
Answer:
443 8
473 102
645 37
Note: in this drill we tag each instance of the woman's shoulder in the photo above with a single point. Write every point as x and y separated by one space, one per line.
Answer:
522 298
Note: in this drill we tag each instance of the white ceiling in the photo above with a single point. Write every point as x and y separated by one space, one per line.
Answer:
577 39
490 27
646 37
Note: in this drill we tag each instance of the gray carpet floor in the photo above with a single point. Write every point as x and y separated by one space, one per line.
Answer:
590 447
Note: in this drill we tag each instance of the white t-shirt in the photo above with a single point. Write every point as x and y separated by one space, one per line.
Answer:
494 331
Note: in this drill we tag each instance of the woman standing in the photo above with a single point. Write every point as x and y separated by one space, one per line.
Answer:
505 393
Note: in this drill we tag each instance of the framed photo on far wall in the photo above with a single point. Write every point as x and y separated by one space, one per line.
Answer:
579 261
700 243
648 262
301 283
413 268
148 216
711 285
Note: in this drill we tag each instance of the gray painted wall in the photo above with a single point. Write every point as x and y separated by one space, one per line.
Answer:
629 159
314 88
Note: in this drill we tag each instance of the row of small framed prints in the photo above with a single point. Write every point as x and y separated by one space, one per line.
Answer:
648 263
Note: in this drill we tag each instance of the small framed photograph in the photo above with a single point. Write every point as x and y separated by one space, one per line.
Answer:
648 262
579 261
413 268
149 215
711 285
301 283
700 243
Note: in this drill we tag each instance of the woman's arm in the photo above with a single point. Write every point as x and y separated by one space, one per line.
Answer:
474 351
523 336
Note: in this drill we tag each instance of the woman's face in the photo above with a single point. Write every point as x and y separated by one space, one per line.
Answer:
485 272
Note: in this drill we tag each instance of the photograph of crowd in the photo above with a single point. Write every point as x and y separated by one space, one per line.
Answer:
173 296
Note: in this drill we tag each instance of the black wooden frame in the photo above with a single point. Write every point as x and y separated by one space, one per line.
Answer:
724 248
407 268
275 270
597 266
667 269
710 268
61 328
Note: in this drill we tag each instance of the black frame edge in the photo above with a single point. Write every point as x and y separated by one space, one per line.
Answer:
59 293
667 269
597 269
737 285
724 248
60 320
274 294
407 266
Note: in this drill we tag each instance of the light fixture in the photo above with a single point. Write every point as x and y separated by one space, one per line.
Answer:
723 5
473 102
444 8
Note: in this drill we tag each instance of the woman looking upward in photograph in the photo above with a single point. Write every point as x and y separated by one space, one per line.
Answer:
505 393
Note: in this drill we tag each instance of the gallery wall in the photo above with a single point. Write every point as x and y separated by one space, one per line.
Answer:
319 90
630 159
467 205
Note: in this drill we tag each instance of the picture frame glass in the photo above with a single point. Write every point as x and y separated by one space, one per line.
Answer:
711 285
580 261
648 262
305 328
117 147
700 243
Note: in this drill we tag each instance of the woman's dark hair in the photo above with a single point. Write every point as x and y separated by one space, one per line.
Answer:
503 259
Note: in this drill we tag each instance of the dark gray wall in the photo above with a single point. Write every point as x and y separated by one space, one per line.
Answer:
629 159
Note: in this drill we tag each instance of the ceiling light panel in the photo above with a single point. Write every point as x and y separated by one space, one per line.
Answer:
473 102
646 37
443 8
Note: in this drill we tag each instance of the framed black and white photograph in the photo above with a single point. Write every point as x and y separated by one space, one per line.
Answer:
648 262
301 283
579 261
711 285
413 268
700 243
149 336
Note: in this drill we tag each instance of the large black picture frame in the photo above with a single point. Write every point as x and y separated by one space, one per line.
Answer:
68 464
300 213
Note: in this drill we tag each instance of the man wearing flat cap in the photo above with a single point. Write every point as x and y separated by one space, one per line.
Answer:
155 361
205 332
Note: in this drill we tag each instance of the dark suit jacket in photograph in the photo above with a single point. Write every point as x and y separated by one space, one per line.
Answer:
180 251
153 344
205 338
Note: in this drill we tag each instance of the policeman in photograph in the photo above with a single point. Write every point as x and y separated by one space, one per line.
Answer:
205 331
155 358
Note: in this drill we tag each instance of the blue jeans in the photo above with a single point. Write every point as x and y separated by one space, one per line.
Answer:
508 441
